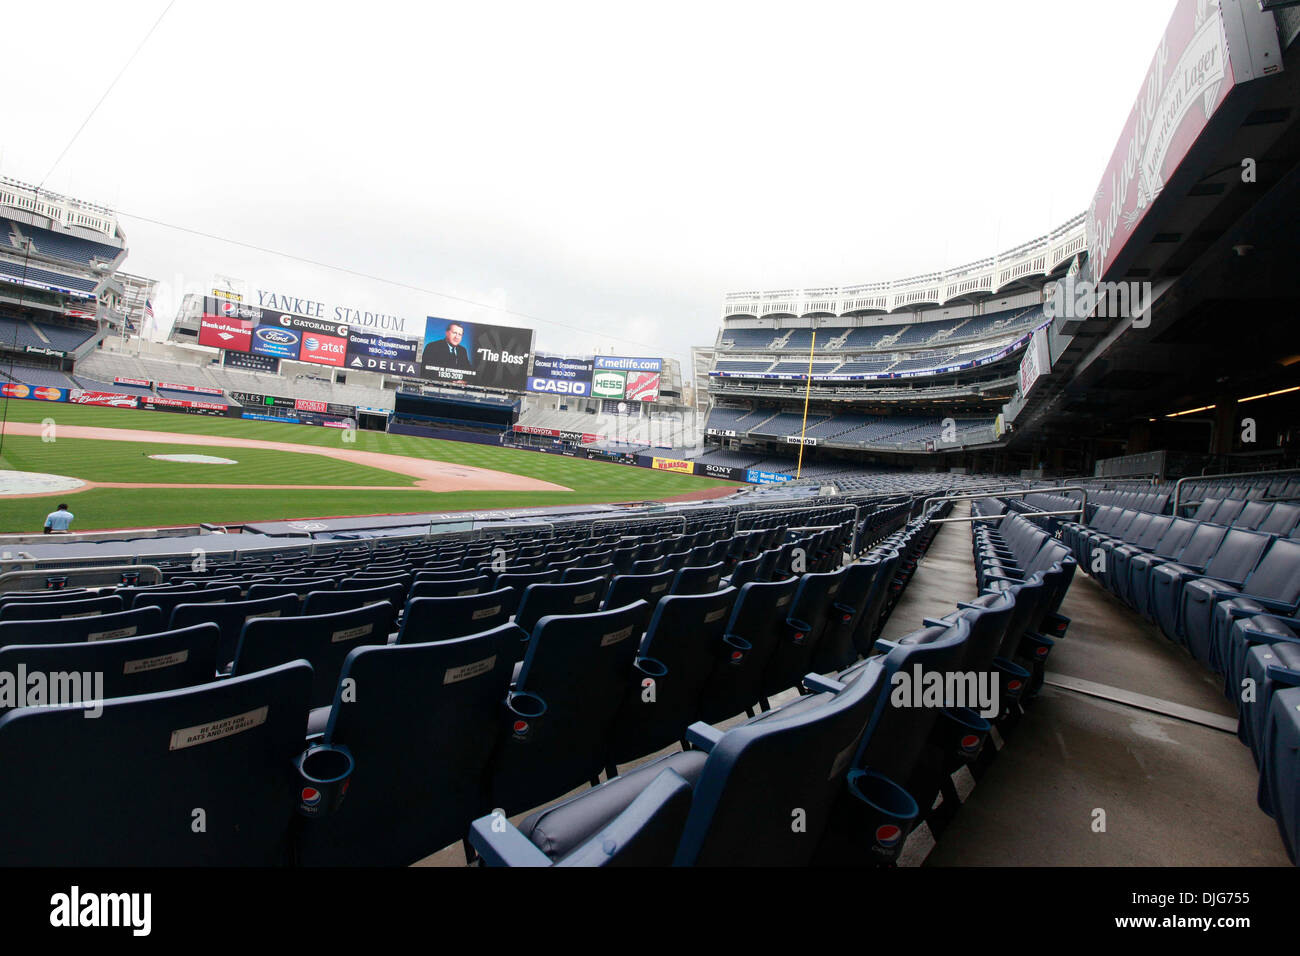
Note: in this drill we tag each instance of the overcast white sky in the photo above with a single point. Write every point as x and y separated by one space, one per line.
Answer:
608 172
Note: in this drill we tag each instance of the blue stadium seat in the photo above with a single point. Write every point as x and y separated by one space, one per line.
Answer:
97 627
452 587
898 741
1236 556
624 589
539 600
60 610
757 623
742 572
814 602
151 768
701 579
516 581
743 785
682 646
422 735
125 666
441 618
1169 542
871 621
168 600
329 602
1209 606
568 692
836 650
1280 767
231 617
323 640
1271 662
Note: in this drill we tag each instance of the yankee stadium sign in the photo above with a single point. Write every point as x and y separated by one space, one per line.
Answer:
311 308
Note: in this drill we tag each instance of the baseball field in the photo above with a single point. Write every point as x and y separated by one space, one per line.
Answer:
283 471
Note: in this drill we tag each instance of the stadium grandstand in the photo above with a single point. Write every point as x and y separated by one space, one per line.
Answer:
991 565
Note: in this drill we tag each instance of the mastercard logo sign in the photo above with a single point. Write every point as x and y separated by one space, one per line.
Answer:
15 390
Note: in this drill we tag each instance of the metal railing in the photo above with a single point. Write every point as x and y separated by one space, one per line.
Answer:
105 576
1178 485
1079 512
642 519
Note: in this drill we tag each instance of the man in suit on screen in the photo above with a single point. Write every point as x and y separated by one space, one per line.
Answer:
447 352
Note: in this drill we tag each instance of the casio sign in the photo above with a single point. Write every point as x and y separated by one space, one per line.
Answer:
558 386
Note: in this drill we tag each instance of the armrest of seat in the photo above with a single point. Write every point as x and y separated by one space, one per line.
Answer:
500 843
1269 604
988 576
1292 622
1218 593
1282 675
703 736
818 684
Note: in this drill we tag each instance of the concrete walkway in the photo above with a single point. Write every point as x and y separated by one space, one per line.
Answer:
1102 736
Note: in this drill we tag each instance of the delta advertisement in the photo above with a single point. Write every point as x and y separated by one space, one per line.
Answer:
553 375
372 352
472 353
631 379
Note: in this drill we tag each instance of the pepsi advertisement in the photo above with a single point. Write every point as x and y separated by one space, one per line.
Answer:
553 375
471 353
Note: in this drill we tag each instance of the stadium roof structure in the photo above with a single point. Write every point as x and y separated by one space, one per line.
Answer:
1217 249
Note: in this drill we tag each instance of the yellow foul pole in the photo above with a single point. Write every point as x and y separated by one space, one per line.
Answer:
806 395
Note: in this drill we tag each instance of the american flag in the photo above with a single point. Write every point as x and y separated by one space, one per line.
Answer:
148 309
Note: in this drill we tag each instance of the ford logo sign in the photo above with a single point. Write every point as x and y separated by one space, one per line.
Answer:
276 336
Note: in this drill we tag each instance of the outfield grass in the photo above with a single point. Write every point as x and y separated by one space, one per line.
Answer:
593 481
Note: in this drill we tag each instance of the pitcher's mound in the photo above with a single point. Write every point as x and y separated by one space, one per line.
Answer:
196 459
36 483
